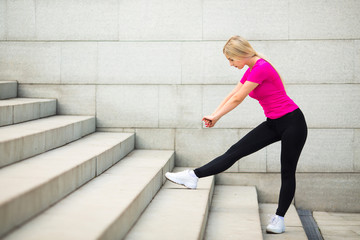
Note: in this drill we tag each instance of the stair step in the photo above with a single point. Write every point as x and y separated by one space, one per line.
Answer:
20 141
175 213
31 186
234 214
17 110
8 89
293 227
337 225
106 207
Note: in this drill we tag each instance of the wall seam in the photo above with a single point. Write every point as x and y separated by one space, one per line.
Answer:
6 32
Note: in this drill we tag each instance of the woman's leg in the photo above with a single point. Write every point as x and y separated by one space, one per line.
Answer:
255 140
292 143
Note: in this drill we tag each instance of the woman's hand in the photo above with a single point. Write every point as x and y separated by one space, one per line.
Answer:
210 120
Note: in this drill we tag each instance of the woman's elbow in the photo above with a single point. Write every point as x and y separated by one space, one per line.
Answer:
237 99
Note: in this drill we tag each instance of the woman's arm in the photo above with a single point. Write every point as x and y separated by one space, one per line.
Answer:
236 89
231 103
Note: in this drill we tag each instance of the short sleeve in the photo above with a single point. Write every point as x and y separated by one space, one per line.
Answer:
258 74
244 78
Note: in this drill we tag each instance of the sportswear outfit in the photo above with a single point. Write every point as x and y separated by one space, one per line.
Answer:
285 122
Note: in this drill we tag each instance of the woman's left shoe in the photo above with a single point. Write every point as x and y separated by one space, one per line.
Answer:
276 225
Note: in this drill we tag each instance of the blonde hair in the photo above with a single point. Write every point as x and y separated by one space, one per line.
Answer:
237 48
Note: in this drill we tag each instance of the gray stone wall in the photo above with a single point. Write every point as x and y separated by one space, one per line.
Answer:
156 67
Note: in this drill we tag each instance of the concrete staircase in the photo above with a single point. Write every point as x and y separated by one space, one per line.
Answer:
60 179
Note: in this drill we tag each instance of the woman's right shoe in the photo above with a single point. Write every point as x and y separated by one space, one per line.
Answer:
276 225
183 178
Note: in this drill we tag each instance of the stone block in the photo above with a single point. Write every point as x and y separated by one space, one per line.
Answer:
8 89
79 62
335 192
13 150
196 147
161 139
323 105
127 106
267 184
61 135
205 63
24 112
180 106
48 108
169 166
18 110
88 126
123 130
6 115
222 19
126 148
296 60
21 20
30 62
159 20
192 62
325 19
118 146
139 63
248 114
30 145
72 99
2 20
77 20
234 214
67 130
326 150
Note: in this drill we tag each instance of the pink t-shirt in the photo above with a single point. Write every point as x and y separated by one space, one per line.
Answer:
270 92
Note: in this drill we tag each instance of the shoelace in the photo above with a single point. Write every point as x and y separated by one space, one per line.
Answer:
273 219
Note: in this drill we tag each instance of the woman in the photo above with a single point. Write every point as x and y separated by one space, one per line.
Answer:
285 122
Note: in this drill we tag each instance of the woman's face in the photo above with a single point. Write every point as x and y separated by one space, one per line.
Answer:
239 64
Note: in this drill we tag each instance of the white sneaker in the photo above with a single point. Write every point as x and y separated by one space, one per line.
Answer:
276 225
183 178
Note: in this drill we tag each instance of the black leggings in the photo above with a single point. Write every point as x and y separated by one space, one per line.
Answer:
291 129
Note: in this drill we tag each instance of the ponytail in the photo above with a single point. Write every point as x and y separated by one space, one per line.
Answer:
263 57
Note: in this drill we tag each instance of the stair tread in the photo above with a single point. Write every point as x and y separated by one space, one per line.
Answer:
21 141
338 225
7 81
16 179
17 110
37 126
19 101
90 212
234 214
175 212
293 227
